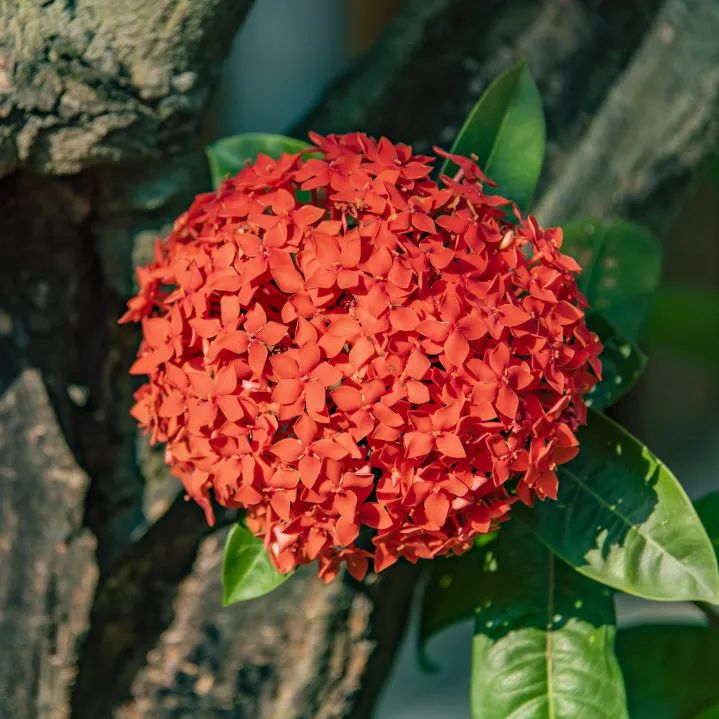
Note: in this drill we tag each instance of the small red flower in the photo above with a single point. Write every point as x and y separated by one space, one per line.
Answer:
394 358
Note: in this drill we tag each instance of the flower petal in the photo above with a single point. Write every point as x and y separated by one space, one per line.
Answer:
450 445
403 318
436 507
456 348
309 468
287 391
257 356
435 330
348 399
288 450
362 351
418 444
507 401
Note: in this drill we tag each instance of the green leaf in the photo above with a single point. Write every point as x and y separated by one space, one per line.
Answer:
452 591
621 264
685 321
247 572
622 365
544 637
623 519
708 510
506 131
230 154
670 670
710 713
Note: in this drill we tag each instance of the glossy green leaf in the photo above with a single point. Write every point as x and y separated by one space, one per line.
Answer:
247 572
621 264
708 510
622 365
544 637
452 591
670 671
506 131
685 321
623 519
230 154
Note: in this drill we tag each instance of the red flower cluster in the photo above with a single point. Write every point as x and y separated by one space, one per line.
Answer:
370 363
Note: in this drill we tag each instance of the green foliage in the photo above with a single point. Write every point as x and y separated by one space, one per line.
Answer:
670 671
710 713
247 572
708 511
230 154
453 590
544 637
622 365
506 131
544 634
685 321
623 519
621 264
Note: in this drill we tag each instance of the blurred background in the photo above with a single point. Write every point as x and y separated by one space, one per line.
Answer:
632 98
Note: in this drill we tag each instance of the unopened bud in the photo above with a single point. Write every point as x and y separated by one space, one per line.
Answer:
507 240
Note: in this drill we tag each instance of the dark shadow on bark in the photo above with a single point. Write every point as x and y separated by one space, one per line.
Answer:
132 607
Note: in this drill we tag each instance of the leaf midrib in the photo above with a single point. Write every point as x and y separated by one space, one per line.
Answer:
549 646
248 568
636 528
502 127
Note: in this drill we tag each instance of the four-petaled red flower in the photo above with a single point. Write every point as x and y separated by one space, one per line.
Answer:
377 371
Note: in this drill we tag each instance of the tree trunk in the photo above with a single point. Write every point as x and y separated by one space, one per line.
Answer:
101 112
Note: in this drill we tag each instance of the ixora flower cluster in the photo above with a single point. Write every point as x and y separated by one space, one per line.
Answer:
370 363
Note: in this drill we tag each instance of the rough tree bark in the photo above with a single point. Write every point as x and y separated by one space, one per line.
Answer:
47 572
100 109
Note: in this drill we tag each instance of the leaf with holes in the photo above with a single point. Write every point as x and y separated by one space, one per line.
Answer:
623 519
544 637
230 154
506 131
621 264
247 572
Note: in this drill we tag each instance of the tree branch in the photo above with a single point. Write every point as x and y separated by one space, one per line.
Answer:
423 76
47 568
305 650
106 81
657 122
